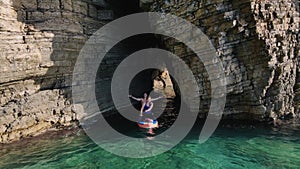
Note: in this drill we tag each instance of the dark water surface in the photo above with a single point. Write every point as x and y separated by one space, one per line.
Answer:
229 147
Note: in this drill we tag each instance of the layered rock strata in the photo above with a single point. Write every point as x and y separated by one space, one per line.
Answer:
258 43
40 41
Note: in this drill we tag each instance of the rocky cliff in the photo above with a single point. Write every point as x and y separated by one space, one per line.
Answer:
40 41
258 43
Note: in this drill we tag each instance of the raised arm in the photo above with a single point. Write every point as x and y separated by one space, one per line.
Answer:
154 99
137 99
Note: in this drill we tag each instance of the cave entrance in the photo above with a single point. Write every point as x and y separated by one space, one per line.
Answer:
142 83
150 81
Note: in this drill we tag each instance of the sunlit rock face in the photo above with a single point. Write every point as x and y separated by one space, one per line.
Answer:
258 43
40 41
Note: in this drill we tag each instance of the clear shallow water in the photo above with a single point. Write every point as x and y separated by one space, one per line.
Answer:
227 148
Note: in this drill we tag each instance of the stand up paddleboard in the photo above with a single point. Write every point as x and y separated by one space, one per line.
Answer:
148 125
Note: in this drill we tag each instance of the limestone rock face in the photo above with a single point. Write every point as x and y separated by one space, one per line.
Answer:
39 43
278 25
258 43
162 83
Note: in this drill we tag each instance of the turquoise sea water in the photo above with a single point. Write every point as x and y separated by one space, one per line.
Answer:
248 147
